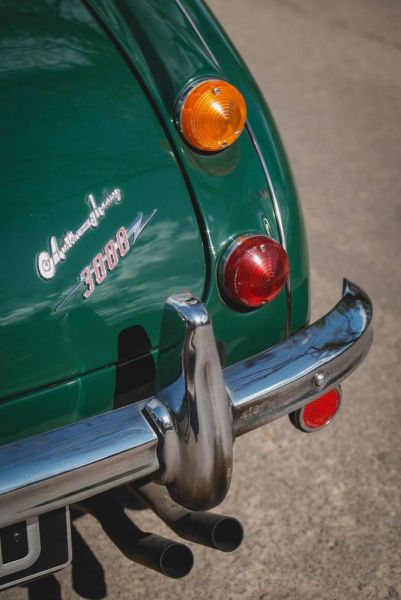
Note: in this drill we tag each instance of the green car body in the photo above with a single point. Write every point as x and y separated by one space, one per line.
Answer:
126 372
88 93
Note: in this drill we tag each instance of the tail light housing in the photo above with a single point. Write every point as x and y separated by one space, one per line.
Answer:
211 114
253 271
319 413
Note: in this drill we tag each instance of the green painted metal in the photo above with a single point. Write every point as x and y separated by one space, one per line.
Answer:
270 143
74 121
269 140
90 97
56 406
231 191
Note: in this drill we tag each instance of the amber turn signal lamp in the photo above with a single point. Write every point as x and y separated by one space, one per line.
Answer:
317 414
211 115
253 271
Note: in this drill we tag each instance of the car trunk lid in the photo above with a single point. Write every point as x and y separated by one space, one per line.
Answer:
85 162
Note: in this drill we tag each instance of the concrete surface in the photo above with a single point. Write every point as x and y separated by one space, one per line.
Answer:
322 513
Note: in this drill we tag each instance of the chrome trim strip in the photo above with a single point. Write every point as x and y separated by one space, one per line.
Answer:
198 33
276 207
53 469
279 220
273 197
192 415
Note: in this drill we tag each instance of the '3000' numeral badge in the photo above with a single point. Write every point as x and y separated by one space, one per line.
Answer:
108 258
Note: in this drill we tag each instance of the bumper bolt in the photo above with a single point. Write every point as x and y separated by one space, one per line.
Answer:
319 380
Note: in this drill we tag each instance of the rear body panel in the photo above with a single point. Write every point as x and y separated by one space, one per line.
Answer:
92 111
166 53
74 123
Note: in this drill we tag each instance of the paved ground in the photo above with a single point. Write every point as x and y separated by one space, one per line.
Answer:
322 513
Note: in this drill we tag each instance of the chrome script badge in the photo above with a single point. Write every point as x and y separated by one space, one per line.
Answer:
106 260
46 262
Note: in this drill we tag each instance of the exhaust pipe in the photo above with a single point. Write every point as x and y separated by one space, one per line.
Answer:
165 556
209 529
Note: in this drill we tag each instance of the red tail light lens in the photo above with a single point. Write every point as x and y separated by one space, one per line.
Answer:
319 412
253 270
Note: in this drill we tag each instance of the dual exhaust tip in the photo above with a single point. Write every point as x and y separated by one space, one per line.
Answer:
209 529
175 560
163 555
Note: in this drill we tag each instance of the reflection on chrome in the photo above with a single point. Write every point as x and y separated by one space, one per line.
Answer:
283 378
183 436
199 439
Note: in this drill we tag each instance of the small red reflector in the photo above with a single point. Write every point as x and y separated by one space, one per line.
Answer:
253 270
318 413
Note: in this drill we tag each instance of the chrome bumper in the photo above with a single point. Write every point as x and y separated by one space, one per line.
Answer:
183 436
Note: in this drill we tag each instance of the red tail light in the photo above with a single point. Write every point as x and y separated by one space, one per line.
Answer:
318 413
253 270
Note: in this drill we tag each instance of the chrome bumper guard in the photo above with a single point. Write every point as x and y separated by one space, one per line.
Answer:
183 437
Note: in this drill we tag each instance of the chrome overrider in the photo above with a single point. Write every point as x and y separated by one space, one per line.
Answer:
183 437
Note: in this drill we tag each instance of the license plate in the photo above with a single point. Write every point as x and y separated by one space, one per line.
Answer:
35 547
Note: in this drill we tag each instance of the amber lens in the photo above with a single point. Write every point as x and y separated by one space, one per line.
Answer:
213 115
